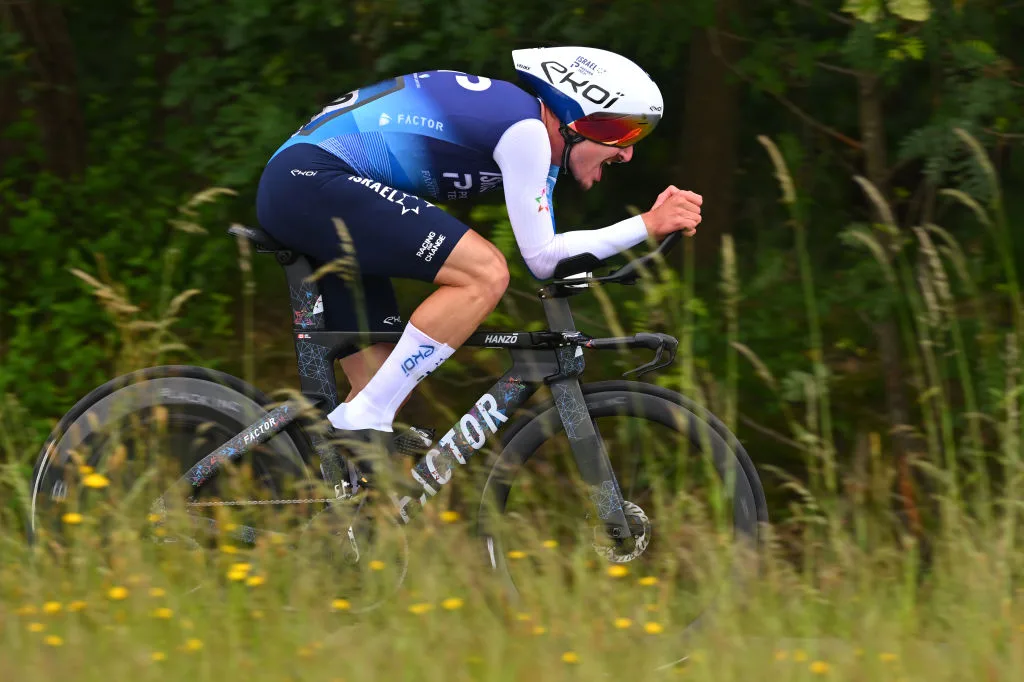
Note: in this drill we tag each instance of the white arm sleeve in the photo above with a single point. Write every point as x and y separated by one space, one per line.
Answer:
523 155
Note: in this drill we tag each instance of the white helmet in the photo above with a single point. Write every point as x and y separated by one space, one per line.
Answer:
596 94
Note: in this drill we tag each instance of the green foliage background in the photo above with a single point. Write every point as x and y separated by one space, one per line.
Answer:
173 97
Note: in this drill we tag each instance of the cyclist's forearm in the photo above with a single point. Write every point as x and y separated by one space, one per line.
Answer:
523 155
602 243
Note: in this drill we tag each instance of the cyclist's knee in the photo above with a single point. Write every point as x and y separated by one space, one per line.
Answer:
495 276
477 265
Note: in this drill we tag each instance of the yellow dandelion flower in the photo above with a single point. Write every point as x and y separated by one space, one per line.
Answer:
654 628
618 571
257 615
54 640
550 544
163 613
241 568
76 605
819 667
229 549
800 655
96 481
85 469
237 575
449 516
26 610
193 644
340 605
887 657
517 554
420 608
781 655
230 527
52 607
648 581
255 580
539 629
72 518
158 656
155 518
570 657
452 603
36 627
377 565
117 593
623 623
157 592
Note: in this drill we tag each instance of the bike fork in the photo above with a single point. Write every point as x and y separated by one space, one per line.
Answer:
591 457
587 447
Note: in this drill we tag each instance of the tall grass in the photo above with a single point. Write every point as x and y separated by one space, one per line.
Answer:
843 592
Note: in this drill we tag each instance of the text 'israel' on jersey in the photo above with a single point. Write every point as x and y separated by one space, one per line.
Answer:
431 133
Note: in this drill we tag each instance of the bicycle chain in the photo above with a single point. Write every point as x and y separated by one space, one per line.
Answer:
241 503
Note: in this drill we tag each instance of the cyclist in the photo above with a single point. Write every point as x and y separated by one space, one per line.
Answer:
378 156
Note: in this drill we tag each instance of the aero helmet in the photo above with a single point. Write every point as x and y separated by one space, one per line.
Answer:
596 94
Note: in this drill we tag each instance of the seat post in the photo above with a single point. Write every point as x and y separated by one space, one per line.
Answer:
559 315
317 380
306 300
315 360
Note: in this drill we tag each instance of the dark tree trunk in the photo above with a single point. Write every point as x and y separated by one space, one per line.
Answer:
165 62
49 87
707 151
887 333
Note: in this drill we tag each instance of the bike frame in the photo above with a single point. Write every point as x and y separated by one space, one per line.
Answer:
553 357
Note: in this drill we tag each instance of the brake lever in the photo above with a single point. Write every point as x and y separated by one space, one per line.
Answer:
663 342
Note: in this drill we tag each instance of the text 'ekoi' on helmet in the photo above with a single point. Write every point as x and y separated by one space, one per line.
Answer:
597 94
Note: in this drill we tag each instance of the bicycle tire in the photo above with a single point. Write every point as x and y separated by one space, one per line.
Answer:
223 398
677 398
633 399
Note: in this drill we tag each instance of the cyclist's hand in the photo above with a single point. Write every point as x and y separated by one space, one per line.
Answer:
674 209
669 191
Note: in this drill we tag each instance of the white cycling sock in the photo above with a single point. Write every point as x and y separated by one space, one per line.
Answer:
415 356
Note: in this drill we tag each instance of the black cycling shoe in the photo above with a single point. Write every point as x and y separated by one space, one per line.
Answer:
365 448
372 451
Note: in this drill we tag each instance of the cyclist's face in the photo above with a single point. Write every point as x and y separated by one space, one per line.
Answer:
588 159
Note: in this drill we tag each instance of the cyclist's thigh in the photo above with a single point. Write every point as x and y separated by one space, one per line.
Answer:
392 233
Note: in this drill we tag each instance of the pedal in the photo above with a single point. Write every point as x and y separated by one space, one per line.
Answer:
413 442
